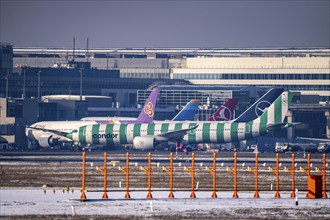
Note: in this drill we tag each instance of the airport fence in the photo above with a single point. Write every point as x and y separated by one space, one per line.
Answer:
156 177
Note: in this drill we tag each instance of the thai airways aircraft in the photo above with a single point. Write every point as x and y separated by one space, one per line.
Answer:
49 133
149 136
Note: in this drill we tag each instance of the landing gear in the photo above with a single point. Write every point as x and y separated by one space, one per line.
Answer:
76 147
33 145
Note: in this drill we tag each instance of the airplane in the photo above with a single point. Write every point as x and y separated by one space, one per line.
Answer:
149 136
49 133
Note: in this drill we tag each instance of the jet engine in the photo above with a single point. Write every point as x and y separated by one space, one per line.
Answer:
47 141
144 143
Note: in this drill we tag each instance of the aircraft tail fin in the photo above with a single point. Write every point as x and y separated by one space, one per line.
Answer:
260 105
225 112
274 116
188 112
148 111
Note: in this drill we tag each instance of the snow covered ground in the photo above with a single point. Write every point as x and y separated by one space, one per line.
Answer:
33 202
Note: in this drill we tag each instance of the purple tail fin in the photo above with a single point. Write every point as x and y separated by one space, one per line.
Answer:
225 112
148 111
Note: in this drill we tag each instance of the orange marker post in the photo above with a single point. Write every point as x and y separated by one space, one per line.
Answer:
213 173
324 177
308 172
276 171
291 171
255 172
148 172
234 172
83 195
104 173
170 172
192 172
126 171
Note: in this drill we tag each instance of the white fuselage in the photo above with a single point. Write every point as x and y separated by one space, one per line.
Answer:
108 120
61 126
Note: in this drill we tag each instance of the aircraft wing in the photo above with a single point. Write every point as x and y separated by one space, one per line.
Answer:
61 133
174 135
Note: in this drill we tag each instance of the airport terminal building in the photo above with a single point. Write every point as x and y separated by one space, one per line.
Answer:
302 70
308 75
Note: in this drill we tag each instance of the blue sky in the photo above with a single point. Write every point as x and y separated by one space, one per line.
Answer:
201 24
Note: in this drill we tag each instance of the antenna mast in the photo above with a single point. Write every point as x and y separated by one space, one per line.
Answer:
87 52
74 48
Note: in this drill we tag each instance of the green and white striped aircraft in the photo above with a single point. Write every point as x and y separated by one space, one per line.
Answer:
148 136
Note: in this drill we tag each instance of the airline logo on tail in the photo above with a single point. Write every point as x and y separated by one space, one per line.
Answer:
147 113
261 107
149 109
225 114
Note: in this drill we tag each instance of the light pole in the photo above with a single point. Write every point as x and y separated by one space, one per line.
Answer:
39 85
7 79
81 74
23 95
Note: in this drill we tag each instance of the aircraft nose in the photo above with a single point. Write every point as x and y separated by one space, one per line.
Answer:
29 134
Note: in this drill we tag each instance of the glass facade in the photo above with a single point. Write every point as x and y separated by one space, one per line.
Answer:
155 73
249 76
14 108
180 98
6 58
52 81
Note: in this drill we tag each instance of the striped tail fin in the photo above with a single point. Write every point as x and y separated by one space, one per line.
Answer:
274 116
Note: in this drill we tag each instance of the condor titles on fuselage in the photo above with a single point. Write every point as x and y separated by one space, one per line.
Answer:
148 136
